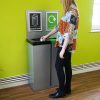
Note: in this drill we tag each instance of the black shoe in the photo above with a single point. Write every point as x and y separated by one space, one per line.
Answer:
58 94
66 91
50 95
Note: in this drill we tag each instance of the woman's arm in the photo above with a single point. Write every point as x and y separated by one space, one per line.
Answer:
51 33
43 38
65 44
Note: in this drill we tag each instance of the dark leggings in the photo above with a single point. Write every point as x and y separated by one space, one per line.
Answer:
64 70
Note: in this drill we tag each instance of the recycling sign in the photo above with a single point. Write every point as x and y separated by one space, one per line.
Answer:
51 20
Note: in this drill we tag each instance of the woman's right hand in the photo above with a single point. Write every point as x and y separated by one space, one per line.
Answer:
43 38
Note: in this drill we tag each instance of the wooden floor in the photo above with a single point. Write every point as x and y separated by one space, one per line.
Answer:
84 87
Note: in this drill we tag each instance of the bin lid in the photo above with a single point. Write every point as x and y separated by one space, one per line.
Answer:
37 41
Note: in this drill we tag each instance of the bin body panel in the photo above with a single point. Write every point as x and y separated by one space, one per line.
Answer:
40 67
30 63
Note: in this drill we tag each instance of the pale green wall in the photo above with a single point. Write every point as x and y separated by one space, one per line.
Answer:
88 47
13 51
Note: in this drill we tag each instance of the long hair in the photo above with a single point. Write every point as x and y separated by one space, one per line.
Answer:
67 4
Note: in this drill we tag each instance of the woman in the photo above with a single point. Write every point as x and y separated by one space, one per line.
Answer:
66 42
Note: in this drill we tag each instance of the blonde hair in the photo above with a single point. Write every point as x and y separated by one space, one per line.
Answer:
67 4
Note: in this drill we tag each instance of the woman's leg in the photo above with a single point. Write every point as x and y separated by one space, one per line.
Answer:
68 71
59 64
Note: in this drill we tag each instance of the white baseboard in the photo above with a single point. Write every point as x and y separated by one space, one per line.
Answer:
83 68
8 85
14 81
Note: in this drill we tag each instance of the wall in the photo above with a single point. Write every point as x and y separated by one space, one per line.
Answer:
13 50
88 49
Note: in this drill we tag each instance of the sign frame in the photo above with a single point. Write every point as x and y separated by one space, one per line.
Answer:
28 20
48 12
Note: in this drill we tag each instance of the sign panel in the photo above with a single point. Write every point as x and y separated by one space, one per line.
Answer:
51 20
35 21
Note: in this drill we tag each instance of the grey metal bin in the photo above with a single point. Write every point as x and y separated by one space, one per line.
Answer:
39 59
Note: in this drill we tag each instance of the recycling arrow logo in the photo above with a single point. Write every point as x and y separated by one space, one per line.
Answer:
51 19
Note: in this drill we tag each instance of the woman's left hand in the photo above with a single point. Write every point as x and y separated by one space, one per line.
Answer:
61 55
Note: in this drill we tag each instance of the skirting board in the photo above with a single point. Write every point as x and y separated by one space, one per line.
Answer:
8 85
14 81
83 68
24 79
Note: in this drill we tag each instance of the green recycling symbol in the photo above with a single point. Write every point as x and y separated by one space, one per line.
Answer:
51 20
